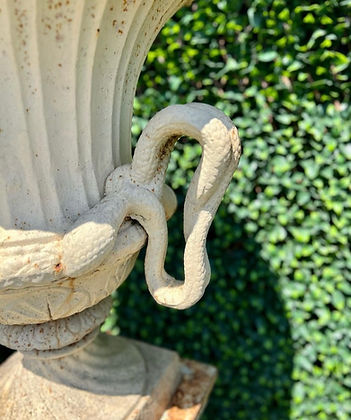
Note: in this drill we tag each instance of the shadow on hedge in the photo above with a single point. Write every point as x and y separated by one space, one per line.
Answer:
240 325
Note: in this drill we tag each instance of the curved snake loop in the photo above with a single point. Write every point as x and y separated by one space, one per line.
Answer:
136 191
221 153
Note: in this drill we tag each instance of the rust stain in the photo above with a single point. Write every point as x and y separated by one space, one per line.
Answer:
59 37
192 392
165 151
58 267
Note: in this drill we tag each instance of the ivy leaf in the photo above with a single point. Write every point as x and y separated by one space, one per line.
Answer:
267 56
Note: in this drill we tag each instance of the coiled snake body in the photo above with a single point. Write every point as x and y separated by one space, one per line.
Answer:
135 191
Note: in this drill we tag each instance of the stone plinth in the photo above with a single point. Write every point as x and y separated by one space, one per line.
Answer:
191 396
137 382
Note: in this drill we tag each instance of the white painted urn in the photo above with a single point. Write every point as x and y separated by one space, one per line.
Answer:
75 208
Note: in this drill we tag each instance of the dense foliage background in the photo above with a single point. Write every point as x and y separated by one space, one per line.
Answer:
276 318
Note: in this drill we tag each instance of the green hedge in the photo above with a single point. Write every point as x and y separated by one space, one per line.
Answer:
275 319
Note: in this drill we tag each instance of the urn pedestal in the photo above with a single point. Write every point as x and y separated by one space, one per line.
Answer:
75 209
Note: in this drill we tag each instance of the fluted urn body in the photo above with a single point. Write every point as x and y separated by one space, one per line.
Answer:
68 72
75 208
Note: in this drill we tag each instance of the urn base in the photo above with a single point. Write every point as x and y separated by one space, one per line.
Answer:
111 378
